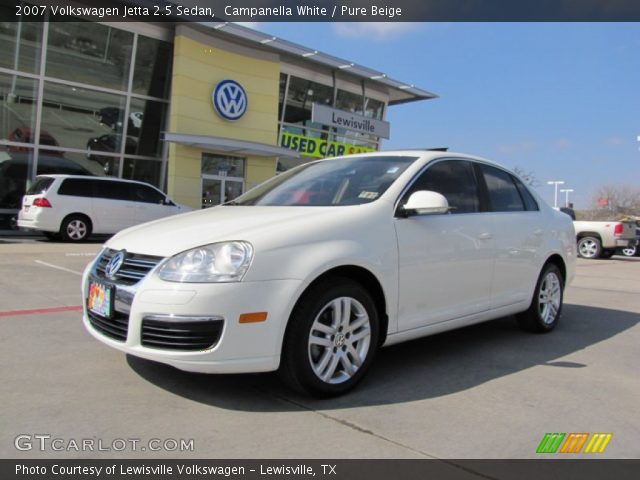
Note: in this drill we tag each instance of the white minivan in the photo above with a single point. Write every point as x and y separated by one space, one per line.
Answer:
75 206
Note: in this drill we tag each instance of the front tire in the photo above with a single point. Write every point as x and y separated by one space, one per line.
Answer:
75 228
546 304
331 339
589 247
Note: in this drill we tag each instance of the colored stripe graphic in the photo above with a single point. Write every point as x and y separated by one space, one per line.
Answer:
598 443
550 442
574 442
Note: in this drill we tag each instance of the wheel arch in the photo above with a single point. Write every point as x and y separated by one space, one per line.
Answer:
559 262
364 277
78 214
580 235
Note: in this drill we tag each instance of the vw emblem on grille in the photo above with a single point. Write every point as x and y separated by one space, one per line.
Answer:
114 264
229 100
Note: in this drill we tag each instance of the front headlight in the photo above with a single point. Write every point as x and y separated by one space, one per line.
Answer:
218 262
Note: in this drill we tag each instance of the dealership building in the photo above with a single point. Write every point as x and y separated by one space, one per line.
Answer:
204 111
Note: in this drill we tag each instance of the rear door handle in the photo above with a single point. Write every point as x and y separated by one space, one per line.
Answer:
485 236
538 232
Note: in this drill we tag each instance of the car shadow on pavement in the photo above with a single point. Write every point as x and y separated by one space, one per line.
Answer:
421 369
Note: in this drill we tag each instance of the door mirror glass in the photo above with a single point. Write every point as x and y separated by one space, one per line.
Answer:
424 202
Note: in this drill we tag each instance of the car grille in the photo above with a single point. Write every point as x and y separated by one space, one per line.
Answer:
134 268
181 335
115 327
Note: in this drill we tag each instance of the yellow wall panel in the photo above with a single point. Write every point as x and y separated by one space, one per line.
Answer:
197 68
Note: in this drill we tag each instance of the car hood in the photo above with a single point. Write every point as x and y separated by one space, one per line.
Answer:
175 234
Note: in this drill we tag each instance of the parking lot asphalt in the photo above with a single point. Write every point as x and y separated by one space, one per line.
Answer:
487 391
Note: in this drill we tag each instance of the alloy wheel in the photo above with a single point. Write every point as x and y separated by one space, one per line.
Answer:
339 340
76 230
588 248
549 298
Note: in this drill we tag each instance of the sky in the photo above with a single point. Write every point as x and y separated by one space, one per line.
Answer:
559 100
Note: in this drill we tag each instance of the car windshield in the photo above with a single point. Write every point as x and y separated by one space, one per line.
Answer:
344 181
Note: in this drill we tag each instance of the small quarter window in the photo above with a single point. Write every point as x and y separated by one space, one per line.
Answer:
529 202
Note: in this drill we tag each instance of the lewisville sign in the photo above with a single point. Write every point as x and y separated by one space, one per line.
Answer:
349 121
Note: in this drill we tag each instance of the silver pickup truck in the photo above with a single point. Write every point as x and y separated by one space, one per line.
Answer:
602 239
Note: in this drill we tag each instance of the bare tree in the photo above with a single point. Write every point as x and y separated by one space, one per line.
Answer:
617 200
526 176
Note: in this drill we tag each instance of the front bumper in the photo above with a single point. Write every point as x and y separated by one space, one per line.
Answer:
240 348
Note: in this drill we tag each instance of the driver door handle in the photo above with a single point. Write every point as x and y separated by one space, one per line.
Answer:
485 236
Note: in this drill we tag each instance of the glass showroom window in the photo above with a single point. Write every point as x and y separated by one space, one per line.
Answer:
373 108
152 72
17 126
20 43
302 94
146 121
15 170
87 52
18 109
142 170
349 102
85 120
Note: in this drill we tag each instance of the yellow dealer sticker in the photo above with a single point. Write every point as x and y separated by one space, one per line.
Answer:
319 148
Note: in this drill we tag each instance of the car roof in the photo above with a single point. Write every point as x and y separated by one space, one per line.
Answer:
425 154
102 179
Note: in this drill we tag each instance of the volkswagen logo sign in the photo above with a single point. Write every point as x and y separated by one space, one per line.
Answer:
229 100
114 265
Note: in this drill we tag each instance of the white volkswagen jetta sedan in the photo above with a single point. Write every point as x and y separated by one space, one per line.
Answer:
312 271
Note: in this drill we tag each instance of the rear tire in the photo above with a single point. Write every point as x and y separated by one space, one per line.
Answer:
331 339
546 304
589 247
75 228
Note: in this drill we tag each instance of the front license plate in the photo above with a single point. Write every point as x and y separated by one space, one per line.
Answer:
100 299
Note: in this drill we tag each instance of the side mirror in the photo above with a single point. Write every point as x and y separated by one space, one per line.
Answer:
424 202
167 201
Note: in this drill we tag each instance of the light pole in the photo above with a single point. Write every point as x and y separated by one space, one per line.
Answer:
566 192
556 183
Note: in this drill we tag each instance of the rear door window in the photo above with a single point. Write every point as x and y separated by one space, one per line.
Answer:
113 190
503 194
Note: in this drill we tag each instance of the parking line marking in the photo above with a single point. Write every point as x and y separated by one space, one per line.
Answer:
35 311
40 262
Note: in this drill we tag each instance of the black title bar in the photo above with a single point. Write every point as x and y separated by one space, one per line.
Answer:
323 10
321 469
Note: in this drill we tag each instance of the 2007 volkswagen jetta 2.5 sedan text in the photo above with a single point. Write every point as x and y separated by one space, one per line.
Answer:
312 271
